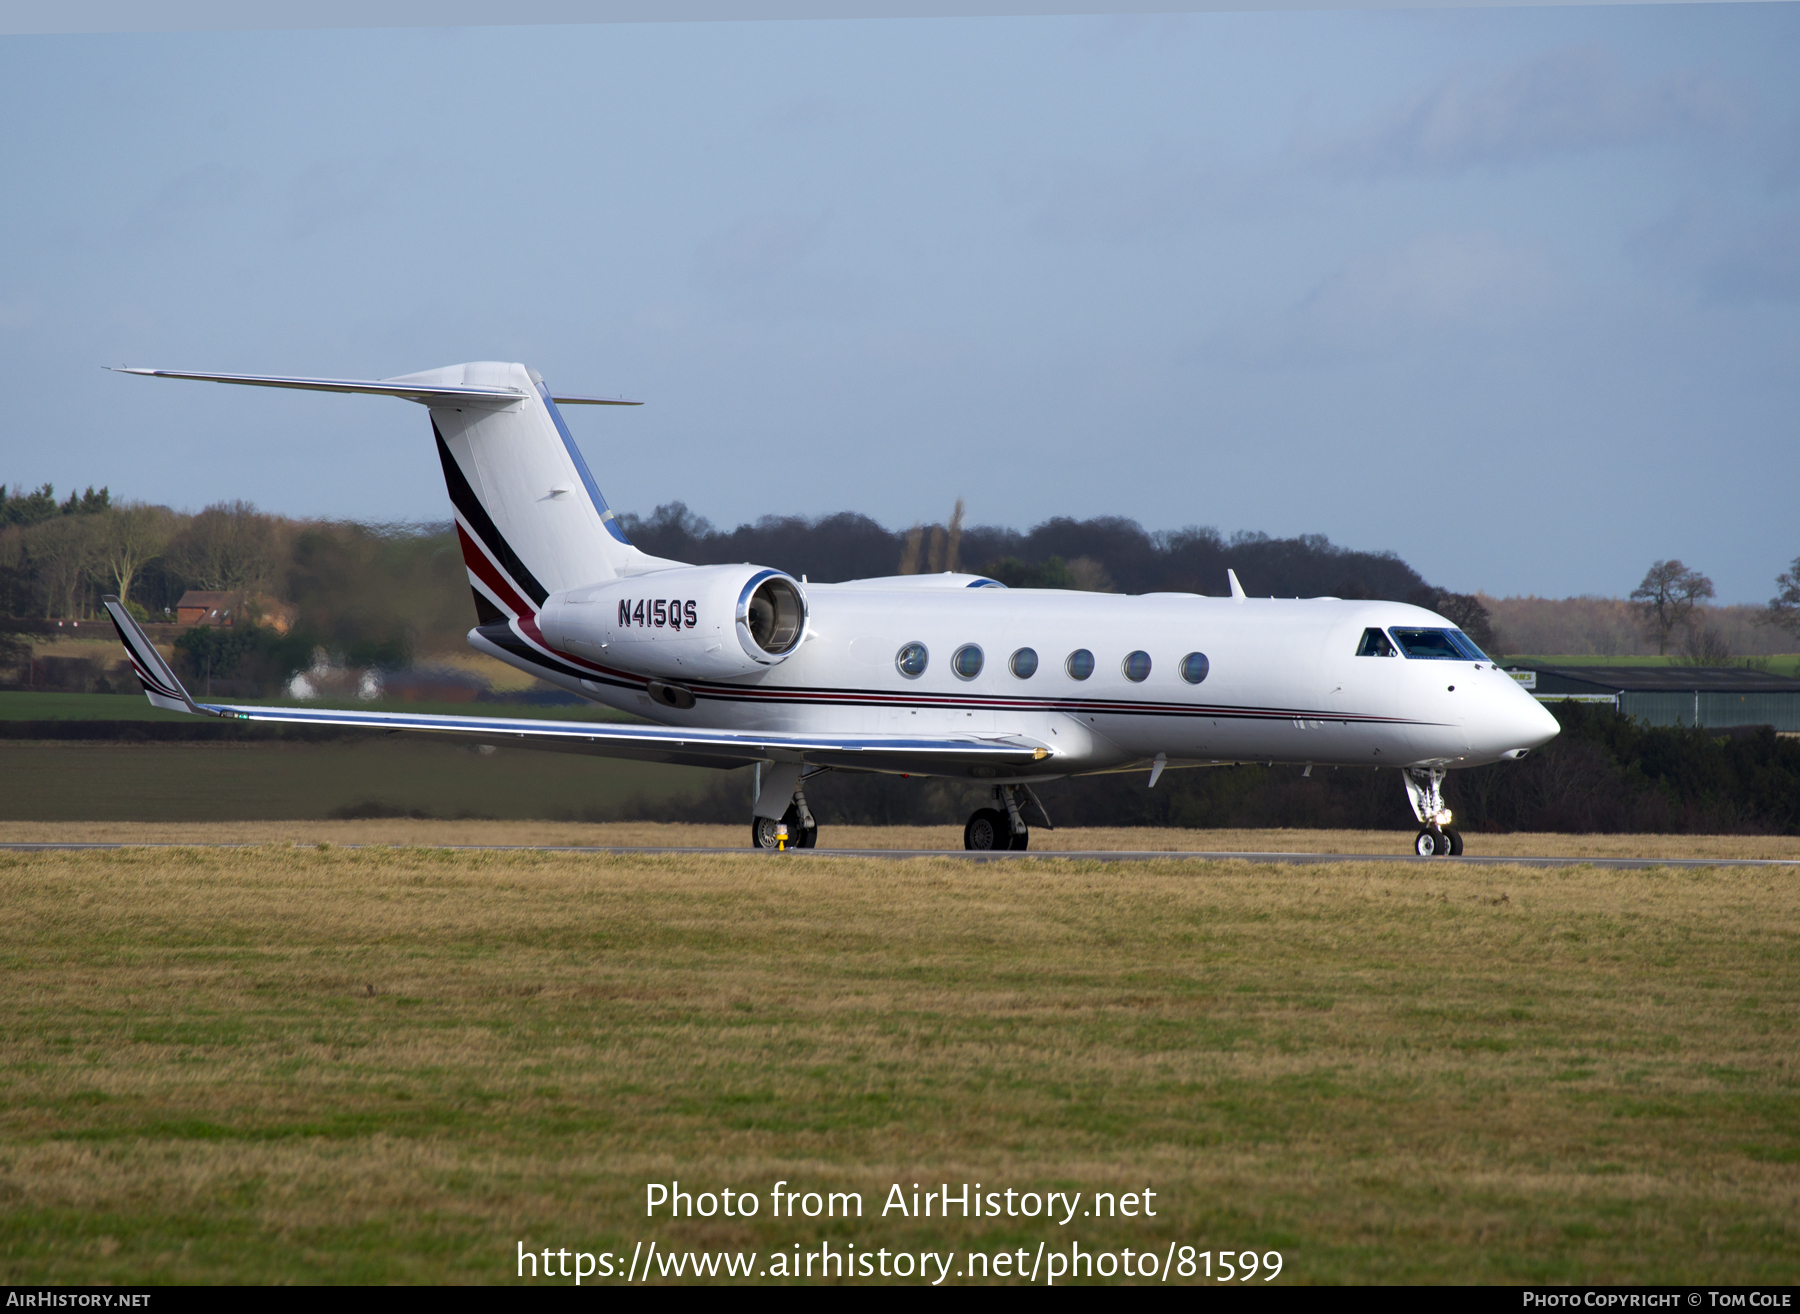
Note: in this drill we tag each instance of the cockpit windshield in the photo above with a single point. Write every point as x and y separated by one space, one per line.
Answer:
1374 644
1438 645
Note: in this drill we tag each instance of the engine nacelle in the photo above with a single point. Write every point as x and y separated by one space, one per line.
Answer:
696 622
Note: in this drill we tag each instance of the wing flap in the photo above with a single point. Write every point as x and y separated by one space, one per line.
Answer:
693 746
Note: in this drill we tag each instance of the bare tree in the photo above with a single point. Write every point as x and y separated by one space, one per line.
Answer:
64 551
131 537
909 556
230 545
1784 607
1667 597
1702 645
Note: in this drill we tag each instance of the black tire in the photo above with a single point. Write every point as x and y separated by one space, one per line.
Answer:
1425 843
762 833
1455 838
987 831
1020 843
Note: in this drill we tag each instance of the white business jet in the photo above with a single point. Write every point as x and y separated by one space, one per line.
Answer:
923 675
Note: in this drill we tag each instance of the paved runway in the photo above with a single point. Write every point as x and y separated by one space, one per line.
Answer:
1112 855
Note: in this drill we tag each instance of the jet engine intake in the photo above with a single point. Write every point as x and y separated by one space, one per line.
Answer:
693 622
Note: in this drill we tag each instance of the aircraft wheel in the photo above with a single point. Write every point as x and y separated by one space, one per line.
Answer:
1426 844
988 830
1020 843
1455 838
762 832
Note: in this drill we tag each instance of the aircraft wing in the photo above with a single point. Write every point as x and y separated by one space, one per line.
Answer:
923 755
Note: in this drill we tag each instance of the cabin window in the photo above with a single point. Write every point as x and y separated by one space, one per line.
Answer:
1374 644
1194 667
1080 664
912 660
1438 645
1136 667
1024 663
966 661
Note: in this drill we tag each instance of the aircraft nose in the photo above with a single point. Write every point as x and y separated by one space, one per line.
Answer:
1527 725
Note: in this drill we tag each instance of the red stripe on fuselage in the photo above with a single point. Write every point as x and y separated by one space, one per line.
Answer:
483 568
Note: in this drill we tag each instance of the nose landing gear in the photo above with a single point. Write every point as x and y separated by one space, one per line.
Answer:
1424 790
994 829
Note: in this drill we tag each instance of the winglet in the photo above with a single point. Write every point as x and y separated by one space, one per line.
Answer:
1237 589
160 685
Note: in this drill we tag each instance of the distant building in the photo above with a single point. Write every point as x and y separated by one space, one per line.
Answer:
203 607
1715 697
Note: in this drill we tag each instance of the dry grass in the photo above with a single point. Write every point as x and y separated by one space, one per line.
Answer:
404 831
395 1064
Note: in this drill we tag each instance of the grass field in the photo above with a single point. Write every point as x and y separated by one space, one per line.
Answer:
396 1064
59 781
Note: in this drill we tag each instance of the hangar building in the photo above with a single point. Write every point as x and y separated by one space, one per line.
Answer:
1708 696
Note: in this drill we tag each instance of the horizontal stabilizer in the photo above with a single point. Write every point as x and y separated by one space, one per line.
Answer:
411 390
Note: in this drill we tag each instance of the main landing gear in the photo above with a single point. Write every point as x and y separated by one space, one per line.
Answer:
1003 827
1424 790
796 828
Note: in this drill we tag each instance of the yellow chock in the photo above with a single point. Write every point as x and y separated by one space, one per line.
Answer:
780 837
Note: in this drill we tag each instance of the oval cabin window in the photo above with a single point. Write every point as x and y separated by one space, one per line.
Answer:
966 661
1136 667
1080 664
1024 663
1194 667
912 660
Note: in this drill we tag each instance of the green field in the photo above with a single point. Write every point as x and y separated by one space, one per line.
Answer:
397 1065
350 777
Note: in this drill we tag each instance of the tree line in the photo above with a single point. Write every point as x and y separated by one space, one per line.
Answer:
379 595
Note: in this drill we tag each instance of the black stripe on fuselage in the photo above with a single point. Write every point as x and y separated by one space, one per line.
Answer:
503 636
463 498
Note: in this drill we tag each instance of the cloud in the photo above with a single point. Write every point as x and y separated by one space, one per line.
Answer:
1159 198
327 194
1438 284
770 264
191 197
806 113
1726 257
20 311
1560 102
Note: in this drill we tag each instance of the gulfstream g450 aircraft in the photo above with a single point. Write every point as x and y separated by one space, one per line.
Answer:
945 675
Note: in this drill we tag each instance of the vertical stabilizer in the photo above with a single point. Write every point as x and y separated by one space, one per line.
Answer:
529 516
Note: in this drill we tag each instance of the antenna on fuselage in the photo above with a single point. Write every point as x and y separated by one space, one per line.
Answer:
1237 589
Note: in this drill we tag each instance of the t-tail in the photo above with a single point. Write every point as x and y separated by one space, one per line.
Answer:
530 518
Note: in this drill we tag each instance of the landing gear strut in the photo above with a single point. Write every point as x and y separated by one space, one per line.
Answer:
993 829
1424 790
802 826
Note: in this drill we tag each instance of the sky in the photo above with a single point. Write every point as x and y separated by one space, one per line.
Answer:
1514 293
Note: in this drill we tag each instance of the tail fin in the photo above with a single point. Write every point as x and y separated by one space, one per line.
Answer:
153 673
529 516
